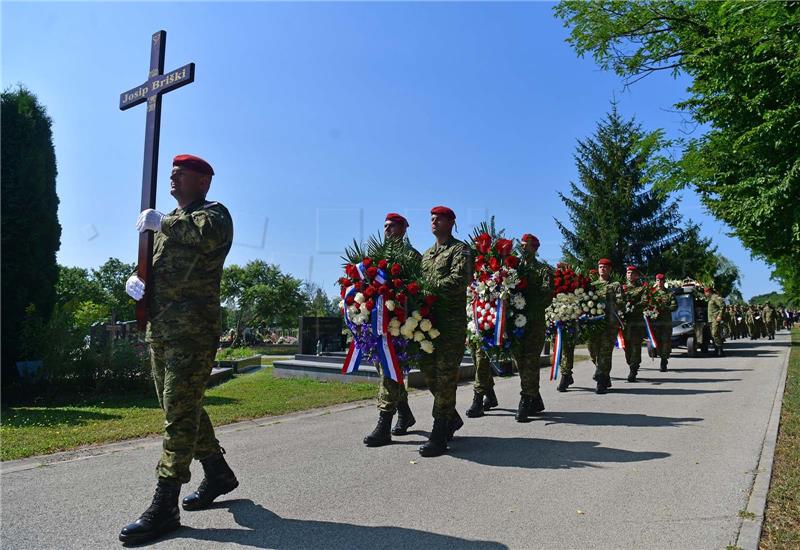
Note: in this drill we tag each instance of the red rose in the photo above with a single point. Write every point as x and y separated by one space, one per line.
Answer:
557 281
344 281
343 291
523 283
367 262
352 271
349 300
413 288
359 286
483 243
369 304
483 277
425 311
504 246
511 261
382 264
390 295
395 269
479 263
494 264
369 292
398 283
401 297
371 272
400 314
384 290
430 299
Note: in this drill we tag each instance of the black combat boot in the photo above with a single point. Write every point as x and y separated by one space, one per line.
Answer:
718 351
566 382
490 400
476 409
537 404
381 435
664 365
219 480
404 419
162 516
603 383
634 370
437 442
455 424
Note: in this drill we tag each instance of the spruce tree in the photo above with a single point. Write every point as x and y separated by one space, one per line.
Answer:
30 229
614 212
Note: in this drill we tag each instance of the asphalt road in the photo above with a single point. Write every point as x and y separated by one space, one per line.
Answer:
667 462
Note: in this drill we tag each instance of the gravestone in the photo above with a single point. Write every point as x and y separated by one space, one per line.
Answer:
320 334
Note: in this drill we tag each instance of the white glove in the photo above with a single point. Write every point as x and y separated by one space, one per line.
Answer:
149 220
134 287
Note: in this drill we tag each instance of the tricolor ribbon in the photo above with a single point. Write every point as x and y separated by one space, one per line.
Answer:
386 352
620 339
353 359
650 334
558 349
499 322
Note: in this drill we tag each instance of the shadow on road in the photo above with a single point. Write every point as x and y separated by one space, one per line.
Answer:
265 529
701 369
633 390
671 380
615 419
518 452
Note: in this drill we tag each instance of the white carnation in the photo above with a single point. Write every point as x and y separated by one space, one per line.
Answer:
360 298
426 325
419 336
434 333
520 321
426 346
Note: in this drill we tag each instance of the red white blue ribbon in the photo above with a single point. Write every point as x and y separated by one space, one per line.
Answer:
386 352
650 334
620 339
499 322
353 359
557 352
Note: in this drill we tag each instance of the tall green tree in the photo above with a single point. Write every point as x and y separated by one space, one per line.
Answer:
111 277
743 58
614 212
259 293
30 229
319 303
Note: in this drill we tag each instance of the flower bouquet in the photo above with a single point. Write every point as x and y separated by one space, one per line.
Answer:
495 303
387 312
576 310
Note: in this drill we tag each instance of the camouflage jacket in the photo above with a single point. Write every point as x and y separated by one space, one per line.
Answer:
611 292
665 313
446 269
539 292
716 305
188 255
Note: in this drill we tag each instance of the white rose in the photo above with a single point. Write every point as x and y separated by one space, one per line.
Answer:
470 327
593 311
426 325
419 336
411 323
426 346
394 323
601 305
486 326
394 331
433 333
416 315
591 303
390 305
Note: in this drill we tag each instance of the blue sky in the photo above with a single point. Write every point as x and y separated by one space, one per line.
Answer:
321 117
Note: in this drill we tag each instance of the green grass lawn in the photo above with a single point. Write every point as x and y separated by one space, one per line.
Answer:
27 431
782 519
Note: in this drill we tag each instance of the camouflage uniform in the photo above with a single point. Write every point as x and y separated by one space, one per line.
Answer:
750 323
716 308
634 326
663 329
188 254
601 344
538 295
484 379
390 393
768 314
446 269
567 354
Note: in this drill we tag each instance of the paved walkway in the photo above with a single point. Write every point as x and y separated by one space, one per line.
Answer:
667 462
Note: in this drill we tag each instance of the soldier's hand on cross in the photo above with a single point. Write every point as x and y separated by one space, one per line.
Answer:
149 220
134 287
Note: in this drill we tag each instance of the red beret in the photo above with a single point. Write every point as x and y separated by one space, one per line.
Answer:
395 217
443 211
193 163
603 261
660 276
632 268
532 238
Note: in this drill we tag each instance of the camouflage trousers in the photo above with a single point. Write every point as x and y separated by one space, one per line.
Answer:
181 374
440 369
634 332
664 339
567 355
390 393
601 347
716 333
525 359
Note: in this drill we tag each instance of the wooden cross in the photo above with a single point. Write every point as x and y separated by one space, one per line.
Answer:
154 87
